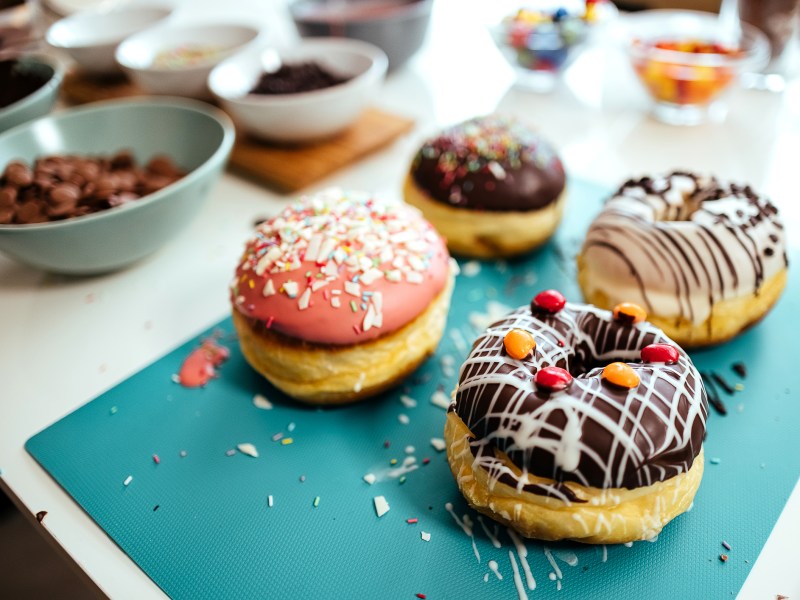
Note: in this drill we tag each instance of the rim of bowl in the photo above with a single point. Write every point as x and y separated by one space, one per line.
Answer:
754 44
378 68
226 144
98 14
404 10
166 30
53 82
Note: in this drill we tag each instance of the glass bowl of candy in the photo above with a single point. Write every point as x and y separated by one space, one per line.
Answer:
541 39
688 60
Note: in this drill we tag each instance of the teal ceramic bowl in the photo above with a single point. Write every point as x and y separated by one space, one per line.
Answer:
41 101
196 136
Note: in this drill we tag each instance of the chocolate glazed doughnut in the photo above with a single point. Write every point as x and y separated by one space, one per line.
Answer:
490 185
559 443
705 259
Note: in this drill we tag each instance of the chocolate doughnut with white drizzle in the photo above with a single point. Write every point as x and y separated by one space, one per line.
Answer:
680 243
580 427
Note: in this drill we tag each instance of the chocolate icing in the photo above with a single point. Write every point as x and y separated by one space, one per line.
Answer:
489 163
593 433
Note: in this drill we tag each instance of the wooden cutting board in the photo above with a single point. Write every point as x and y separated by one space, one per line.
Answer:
287 168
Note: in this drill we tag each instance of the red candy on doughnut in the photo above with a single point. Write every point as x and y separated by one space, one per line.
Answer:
660 353
552 379
550 301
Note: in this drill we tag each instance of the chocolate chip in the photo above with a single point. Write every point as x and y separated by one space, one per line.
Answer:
18 174
64 193
59 187
8 196
163 165
31 212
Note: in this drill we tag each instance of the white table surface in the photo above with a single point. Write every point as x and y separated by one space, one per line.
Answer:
66 340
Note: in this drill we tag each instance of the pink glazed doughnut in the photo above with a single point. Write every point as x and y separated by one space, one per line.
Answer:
340 296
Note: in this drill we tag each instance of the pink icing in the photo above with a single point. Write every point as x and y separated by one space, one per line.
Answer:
384 262
200 366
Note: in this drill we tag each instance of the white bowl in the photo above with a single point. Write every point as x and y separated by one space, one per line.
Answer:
142 56
91 37
196 136
304 116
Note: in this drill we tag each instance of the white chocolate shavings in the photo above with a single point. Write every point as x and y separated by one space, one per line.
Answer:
305 298
290 288
352 288
439 444
270 501
426 537
471 268
381 506
408 401
248 449
333 235
440 399
403 419
370 478
261 402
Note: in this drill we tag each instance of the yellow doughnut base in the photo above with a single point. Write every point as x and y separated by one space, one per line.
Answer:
728 317
326 374
484 234
611 516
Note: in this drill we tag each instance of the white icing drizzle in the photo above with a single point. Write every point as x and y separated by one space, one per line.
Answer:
492 536
522 552
676 244
498 401
566 556
466 527
495 569
549 555
517 579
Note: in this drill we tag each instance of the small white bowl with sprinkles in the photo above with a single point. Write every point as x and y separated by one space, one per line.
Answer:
176 59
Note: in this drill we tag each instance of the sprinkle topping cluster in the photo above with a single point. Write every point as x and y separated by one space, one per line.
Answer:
492 143
341 253
490 163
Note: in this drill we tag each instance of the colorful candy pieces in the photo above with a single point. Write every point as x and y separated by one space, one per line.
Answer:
628 312
552 379
549 301
660 353
519 343
621 375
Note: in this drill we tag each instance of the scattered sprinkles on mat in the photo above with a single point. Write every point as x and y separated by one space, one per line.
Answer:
261 402
248 449
381 506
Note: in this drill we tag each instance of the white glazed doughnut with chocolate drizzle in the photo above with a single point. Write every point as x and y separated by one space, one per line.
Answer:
572 422
705 259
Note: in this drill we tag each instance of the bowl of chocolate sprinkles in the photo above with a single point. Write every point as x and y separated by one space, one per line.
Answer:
94 189
306 92
29 87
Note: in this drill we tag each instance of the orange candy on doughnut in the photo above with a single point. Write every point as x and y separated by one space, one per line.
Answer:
620 374
628 312
519 343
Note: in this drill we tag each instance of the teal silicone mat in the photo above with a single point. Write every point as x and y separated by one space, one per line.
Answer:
200 525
